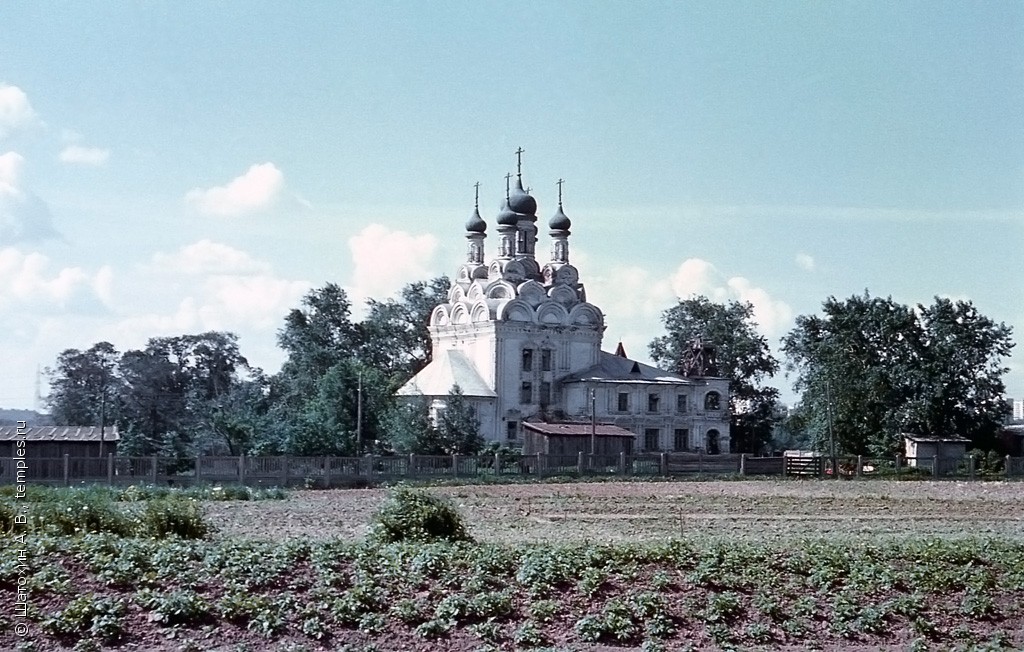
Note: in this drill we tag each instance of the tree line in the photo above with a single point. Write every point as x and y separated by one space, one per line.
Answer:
867 370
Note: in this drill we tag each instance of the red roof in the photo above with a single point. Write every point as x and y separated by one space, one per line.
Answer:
578 429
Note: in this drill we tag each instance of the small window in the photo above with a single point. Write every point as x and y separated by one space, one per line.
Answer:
712 401
623 401
652 402
527 359
651 437
713 442
512 430
545 359
545 393
682 439
682 406
526 393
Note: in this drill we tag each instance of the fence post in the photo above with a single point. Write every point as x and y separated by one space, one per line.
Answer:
935 466
455 465
664 464
241 468
700 461
497 463
579 463
152 470
860 465
622 462
110 469
970 466
1006 467
67 468
540 473
743 463
897 466
412 464
327 471
284 471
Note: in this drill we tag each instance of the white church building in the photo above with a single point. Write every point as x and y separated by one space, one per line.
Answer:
520 339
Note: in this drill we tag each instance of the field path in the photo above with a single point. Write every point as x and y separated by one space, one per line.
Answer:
648 511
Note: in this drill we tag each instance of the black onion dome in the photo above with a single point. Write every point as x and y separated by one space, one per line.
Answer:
559 221
507 216
476 223
521 202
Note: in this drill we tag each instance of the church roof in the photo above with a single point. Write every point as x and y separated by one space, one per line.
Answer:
578 429
619 369
447 369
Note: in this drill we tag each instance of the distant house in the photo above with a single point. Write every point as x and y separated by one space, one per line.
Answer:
921 452
574 438
57 441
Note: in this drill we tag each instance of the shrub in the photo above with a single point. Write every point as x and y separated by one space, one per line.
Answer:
173 516
411 515
89 615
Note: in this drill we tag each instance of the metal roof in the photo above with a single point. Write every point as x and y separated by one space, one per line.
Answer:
924 439
449 368
618 369
58 433
578 429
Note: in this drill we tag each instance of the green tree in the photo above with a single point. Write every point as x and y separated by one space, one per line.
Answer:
458 427
408 429
395 339
870 369
85 386
743 357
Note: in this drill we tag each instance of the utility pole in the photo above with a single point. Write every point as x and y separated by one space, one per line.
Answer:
359 414
831 432
593 423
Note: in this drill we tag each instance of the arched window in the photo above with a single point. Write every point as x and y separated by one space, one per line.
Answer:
712 401
712 442
527 359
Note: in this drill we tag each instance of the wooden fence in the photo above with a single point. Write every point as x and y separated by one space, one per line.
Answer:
371 469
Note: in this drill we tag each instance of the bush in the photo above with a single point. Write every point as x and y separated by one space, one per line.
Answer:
411 515
173 516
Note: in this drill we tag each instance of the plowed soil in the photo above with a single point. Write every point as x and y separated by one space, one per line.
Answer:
635 511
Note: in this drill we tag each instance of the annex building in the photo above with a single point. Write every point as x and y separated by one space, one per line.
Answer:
520 339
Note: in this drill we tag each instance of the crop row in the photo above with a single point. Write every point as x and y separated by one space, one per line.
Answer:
99 590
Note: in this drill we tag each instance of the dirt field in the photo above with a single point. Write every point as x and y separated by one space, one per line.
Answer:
635 511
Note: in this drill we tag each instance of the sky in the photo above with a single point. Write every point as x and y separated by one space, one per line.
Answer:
170 168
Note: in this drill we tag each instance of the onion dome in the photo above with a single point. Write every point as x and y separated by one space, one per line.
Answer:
507 216
521 202
559 221
476 223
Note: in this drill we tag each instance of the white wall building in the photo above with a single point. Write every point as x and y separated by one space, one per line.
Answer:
524 344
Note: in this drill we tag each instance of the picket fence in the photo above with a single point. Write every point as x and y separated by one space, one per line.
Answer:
327 471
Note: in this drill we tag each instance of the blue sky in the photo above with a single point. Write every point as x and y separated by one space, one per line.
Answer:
170 168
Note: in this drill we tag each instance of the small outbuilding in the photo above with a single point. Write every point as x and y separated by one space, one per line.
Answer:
575 438
57 441
922 452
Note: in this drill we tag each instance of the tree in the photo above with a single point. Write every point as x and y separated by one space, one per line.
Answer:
394 334
85 386
458 427
870 369
743 357
408 428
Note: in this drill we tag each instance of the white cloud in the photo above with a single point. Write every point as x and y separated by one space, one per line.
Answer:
805 262
696 276
23 216
15 110
27 281
207 257
256 190
385 260
84 155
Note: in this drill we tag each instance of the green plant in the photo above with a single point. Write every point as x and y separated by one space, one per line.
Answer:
529 635
89 615
412 515
173 516
175 607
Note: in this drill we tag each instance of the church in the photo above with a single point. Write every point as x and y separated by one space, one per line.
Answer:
524 345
